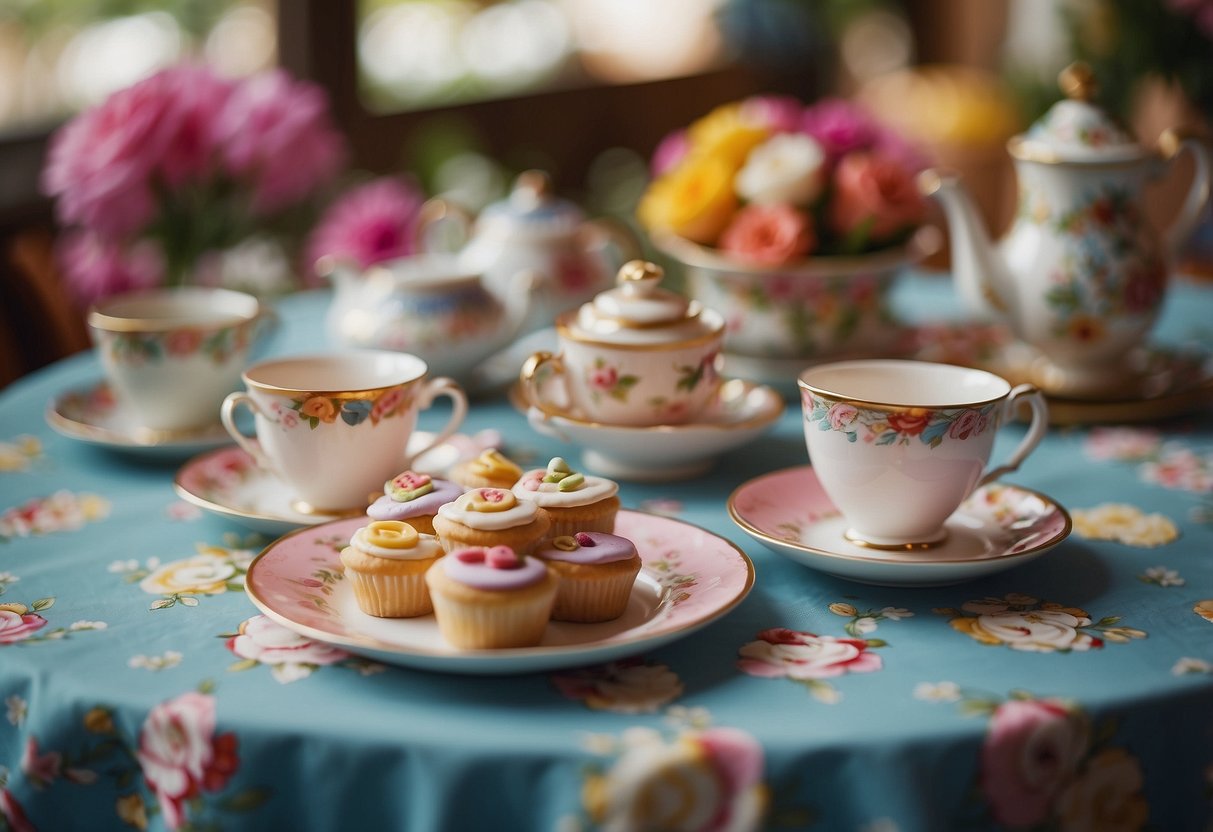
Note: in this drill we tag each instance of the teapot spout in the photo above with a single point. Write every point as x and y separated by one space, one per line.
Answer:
977 267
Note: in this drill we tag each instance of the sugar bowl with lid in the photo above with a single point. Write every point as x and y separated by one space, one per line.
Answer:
638 354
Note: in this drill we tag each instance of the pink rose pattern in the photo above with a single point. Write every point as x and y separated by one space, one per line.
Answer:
896 427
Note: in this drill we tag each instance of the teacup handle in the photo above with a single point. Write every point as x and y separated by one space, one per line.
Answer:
227 415
528 379
1171 143
1035 399
430 390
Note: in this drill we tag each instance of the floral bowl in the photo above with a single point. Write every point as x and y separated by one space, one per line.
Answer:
814 309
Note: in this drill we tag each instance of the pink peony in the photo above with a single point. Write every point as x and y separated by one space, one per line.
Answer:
871 189
670 151
196 97
1032 750
840 126
180 756
369 224
264 641
94 267
277 131
781 113
768 234
16 626
99 166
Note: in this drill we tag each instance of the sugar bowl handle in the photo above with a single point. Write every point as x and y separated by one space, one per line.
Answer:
529 378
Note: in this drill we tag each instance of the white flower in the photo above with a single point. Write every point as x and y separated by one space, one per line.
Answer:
171 658
937 691
17 709
1189 665
87 625
680 716
123 566
865 625
896 613
788 168
8 578
1163 576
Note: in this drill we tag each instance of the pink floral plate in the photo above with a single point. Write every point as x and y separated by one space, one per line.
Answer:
94 415
1000 526
690 578
228 483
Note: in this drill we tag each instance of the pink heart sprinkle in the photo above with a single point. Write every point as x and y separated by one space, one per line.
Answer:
491 495
503 557
584 539
476 555
409 480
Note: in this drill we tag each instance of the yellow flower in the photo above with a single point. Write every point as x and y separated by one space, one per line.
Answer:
319 407
99 721
724 134
131 810
839 608
1204 609
695 200
1124 523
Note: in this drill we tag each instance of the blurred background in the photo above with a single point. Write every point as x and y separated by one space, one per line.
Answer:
464 94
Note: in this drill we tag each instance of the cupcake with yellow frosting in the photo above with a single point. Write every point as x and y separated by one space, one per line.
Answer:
491 597
577 502
491 469
385 564
491 517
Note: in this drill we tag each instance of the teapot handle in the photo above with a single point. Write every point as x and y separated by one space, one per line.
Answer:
609 240
1171 144
436 214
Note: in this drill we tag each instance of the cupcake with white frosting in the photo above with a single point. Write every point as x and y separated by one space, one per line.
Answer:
575 501
385 564
491 597
597 571
491 517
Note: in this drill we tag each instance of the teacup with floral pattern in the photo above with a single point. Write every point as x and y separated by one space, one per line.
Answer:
334 428
898 445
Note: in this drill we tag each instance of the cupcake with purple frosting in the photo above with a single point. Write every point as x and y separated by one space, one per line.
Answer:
415 499
597 571
491 597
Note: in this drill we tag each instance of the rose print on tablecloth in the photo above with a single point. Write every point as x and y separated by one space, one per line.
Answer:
1170 464
24 624
262 641
1022 622
1044 765
212 571
807 658
866 621
18 453
1188 665
630 686
60 512
1125 524
705 780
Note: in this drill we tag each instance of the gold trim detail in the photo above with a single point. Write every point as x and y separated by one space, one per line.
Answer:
854 537
874 405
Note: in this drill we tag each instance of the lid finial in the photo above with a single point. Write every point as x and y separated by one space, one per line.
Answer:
1078 82
639 276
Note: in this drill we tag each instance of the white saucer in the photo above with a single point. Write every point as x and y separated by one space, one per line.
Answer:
94 415
689 578
227 482
739 413
999 527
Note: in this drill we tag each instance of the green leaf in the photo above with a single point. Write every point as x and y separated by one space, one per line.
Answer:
247 800
876 642
246 664
163 604
43 604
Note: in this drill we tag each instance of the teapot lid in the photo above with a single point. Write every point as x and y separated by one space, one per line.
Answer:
531 208
1075 129
639 311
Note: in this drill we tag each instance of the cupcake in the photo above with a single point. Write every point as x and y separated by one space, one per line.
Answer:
576 502
491 597
491 517
385 564
597 571
492 469
413 498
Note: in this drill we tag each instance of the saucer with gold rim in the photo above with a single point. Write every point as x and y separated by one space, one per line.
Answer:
93 414
738 413
998 527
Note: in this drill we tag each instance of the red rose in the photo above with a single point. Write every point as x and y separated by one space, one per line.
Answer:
910 422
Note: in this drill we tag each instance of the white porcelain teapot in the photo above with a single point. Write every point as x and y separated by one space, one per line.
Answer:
534 230
1081 274
430 305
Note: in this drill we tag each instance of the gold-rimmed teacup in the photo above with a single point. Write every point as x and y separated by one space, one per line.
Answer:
335 427
898 445
171 355
637 355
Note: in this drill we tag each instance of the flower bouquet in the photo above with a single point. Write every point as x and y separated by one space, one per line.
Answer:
188 177
792 221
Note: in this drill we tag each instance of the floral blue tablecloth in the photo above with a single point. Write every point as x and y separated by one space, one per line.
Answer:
142 689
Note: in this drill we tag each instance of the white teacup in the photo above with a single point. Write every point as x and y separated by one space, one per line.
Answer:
898 445
335 427
171 355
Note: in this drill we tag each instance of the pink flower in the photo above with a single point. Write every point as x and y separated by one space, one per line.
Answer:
369 224
603 378
42 770
94 267
781 113
1032 750
768 234
873 189
277 131
840 126
180 756
388 403
842 415
12 812
799 655
670 151
738 760
196 95
264 641
969 423
18 625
